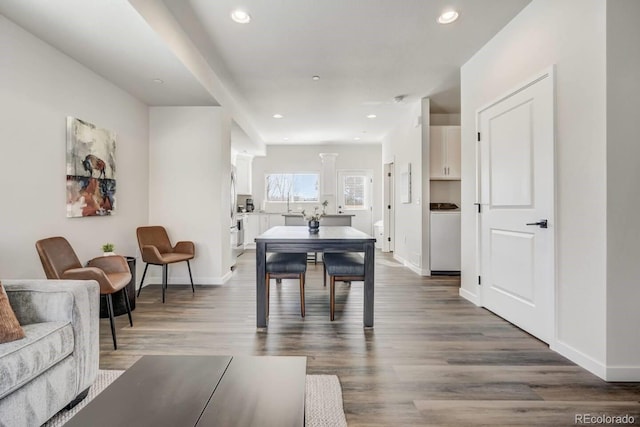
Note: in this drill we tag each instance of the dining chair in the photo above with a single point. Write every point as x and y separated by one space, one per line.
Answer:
287 266
111 272
156 249
342 267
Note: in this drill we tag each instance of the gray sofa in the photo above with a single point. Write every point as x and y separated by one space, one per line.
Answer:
57 361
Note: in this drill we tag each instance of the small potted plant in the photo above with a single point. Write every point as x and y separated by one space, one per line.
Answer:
108 248
314 217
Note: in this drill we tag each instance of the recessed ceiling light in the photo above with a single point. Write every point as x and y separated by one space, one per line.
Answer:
278 116
448 17
371 116
286 139
159 81
357 138
240 16
316 78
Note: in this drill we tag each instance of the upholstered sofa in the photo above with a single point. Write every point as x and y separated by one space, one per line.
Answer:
57 361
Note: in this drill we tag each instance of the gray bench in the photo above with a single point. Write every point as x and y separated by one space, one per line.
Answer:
344 267
287 266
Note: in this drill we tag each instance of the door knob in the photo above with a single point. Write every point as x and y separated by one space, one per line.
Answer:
542 223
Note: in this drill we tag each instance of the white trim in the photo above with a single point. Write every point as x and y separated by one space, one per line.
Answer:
474 298
184 280
550 73
623 373
547 72
580 358
416 269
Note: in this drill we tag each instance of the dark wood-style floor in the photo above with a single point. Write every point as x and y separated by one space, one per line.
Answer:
432 358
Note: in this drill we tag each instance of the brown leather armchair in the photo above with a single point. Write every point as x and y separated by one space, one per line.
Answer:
111 272
156 249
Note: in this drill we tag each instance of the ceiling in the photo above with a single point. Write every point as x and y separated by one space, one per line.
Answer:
366 53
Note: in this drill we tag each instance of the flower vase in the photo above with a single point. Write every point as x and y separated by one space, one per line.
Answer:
314 226
108 253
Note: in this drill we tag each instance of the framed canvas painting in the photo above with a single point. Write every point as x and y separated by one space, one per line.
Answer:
405 183
91 170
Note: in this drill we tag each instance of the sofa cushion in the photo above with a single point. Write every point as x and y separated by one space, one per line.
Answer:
10 329
44 345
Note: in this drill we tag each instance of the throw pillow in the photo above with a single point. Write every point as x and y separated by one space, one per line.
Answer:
10 329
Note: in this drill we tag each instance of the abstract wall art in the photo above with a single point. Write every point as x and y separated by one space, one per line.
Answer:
91 170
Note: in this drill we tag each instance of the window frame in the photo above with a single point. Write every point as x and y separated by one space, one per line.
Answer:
313 172
368 188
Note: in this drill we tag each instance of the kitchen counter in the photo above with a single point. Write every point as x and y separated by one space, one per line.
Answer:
323 216
326 220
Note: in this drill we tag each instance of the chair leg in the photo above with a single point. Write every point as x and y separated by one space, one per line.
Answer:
191 277
111 320
142 281
302 294
165 275
127 304
266 281
324 275
332 297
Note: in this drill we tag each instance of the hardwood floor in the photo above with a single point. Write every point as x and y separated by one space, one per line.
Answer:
432 359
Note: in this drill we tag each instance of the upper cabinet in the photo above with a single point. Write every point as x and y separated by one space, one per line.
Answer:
243 170
445 152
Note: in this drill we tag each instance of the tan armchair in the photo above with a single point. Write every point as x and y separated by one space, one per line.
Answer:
156 249
111 272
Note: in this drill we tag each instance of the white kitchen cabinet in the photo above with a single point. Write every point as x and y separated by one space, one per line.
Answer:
445 241
258 223
252 230
445 152
264 222
243 173
276 219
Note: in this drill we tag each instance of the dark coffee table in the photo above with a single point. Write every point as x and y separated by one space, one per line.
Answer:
202 391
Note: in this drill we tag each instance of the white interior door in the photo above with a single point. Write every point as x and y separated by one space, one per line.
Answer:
516 150
355 197
389 209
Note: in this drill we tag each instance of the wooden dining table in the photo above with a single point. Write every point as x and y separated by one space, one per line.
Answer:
328 239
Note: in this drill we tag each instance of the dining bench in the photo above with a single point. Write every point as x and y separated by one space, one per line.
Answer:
345 266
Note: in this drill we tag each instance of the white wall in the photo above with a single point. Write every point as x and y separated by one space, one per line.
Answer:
623 197
39 88
404 145
306 158
189 187
571 35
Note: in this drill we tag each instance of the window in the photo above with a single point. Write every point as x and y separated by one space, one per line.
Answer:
295 187
354 187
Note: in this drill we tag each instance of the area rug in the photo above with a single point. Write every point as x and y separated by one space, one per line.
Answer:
102 381
323 400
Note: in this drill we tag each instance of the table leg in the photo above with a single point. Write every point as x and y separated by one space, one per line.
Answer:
261 288
369 280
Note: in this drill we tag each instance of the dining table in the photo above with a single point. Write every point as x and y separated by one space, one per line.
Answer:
298 239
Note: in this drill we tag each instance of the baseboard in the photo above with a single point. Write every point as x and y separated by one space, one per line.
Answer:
579 358
469 296
410 266
180 280
623 373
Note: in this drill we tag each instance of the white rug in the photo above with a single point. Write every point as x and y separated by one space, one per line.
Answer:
104 379
323 400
